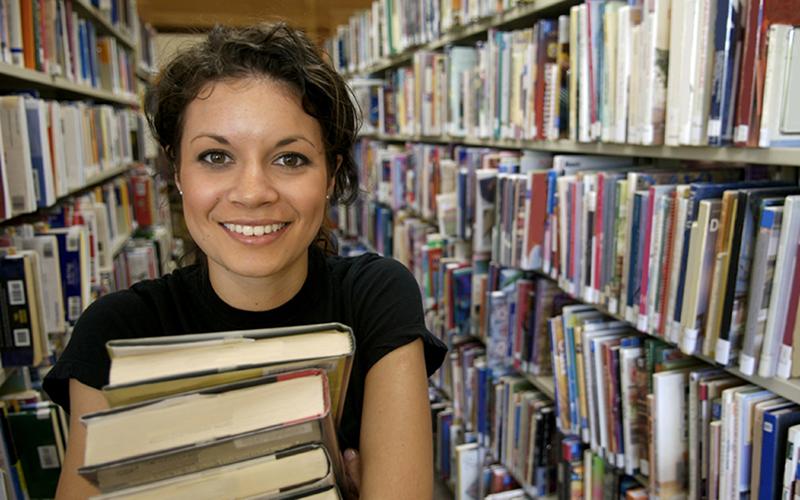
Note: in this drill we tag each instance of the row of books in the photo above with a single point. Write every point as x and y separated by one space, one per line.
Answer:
585 475
57 267
52 148
122 14
631 238
390 27
52 37
610 72
645 407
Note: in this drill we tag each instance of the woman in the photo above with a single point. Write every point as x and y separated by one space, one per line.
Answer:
260 131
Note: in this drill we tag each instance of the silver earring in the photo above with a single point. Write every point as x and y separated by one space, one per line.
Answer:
180 192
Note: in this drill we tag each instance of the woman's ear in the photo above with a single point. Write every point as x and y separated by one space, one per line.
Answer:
178 184
332 178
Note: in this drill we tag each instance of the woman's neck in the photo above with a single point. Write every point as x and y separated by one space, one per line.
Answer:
258 293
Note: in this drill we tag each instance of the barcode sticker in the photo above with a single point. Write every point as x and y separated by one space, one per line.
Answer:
73 308
767 426
48 457
48 251
18 203
714 128
22 337
16 292
742 131
73 242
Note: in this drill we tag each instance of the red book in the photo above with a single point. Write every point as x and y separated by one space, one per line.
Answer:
667 274
537 218
760 15
648 238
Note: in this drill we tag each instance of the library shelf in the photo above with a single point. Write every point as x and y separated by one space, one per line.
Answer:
43 81
90 183
119 243
764 156
789 389
467 31
102 23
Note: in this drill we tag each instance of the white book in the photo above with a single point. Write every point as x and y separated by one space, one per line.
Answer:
15 34
690 45
584 97
657 12
46 246
467 471
574 73
610 68
73 145
460 61
5 195
702 77
17 154
678 64
773 353
635 86
623 73
727 439
781 44
669 422
55 122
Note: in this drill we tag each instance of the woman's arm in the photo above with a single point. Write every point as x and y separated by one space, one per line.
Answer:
83 399
396 438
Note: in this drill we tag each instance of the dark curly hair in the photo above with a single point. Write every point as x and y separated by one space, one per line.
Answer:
276 51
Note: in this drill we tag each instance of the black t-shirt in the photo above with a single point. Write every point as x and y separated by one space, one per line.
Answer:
377 297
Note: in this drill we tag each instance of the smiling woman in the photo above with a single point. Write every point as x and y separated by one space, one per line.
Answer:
260 130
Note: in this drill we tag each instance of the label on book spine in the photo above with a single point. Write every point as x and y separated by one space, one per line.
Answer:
714 128
747 364
613 305
785 362
641 324
689 343
722 351
741 133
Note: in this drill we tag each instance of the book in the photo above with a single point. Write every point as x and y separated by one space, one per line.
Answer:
295 471
159 366
162 425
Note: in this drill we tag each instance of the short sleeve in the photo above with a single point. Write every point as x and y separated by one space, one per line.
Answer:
117 315
388 313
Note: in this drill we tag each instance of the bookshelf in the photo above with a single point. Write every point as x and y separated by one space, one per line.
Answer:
417 93
78 222
763 156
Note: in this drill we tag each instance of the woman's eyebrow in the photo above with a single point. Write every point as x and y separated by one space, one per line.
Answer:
218 138
294 138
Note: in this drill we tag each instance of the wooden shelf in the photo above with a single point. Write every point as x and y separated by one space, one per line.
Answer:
43 81
104 25
465 32
768 156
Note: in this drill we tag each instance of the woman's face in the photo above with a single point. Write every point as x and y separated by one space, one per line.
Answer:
254 178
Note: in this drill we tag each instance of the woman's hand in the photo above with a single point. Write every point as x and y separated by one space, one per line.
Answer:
352 469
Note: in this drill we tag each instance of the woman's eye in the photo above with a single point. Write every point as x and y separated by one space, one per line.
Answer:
215 157
292 160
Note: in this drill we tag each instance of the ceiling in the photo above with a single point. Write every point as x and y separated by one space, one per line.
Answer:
319 18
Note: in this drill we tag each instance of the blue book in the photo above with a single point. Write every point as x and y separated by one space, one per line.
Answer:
17 338
726 64
773 449
74 269
634 249
83 40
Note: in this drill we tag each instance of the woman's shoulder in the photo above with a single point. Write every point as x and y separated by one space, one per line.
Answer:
368 267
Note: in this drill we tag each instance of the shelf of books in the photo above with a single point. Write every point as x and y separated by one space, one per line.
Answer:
761 156
80 211
600 201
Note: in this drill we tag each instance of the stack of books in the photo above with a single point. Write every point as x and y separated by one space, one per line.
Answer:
242 413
